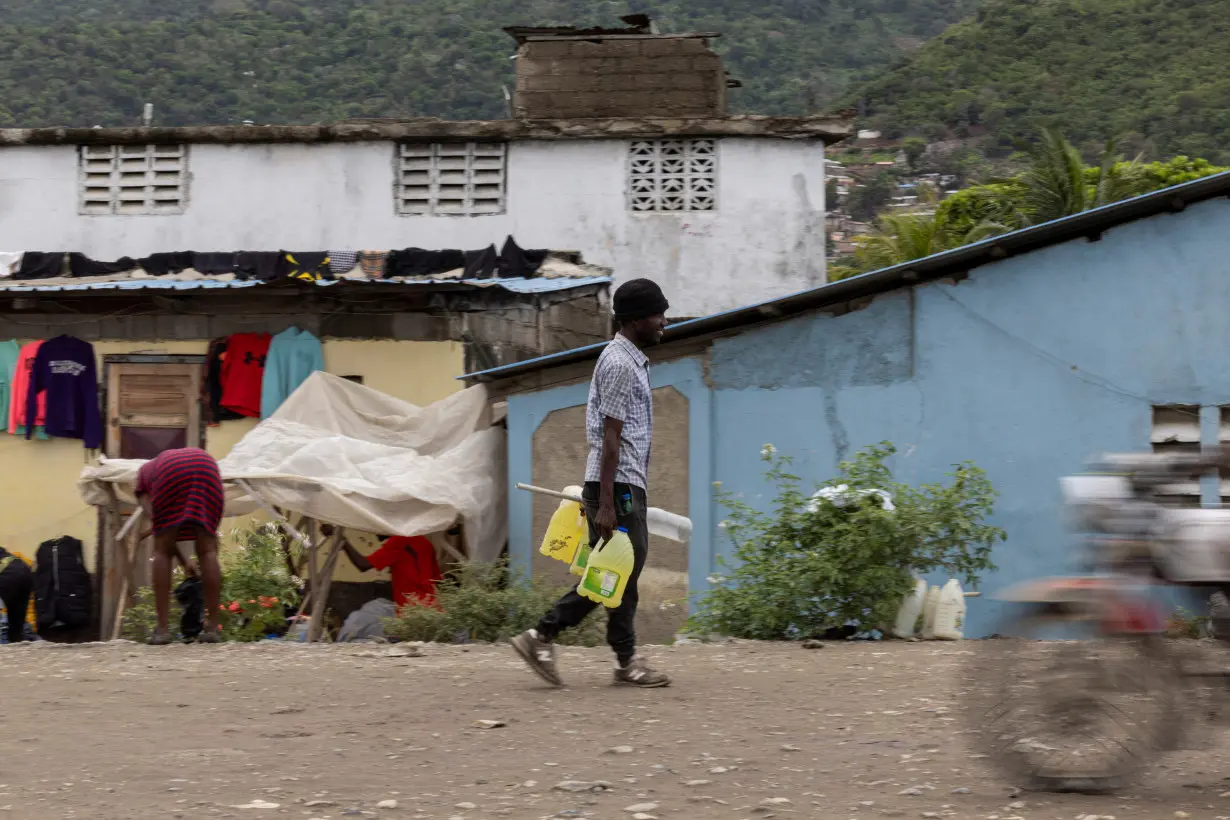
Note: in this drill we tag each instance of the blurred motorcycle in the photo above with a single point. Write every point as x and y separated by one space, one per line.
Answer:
1083 689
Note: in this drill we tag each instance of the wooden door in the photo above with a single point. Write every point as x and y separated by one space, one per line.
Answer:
151 406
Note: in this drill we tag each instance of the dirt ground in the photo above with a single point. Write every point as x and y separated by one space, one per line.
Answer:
747 731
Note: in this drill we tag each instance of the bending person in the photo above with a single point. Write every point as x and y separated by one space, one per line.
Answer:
181 492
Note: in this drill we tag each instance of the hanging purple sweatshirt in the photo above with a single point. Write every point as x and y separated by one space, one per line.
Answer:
66 370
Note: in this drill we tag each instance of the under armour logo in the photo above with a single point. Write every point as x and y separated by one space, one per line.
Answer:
252 358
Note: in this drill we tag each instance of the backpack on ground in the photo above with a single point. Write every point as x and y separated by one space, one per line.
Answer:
63 591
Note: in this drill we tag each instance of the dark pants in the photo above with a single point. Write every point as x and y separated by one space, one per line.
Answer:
16 586
621 622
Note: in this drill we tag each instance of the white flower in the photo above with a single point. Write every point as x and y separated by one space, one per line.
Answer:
767 451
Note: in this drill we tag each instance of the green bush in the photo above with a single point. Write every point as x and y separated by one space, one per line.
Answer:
256 585
486 603
808 566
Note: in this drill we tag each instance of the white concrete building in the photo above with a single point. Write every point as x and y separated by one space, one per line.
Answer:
722 211
621 149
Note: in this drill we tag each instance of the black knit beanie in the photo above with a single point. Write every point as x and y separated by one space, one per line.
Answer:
639 299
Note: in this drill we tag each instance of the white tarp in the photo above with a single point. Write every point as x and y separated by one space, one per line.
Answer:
351 456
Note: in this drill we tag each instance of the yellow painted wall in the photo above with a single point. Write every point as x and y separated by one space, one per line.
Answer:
38 492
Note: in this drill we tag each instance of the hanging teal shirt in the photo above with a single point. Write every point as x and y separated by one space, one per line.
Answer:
294 355
8 366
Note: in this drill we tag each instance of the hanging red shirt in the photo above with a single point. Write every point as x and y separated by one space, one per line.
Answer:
243 371
412 567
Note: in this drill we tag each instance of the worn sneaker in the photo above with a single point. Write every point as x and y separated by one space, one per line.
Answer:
539 655
639 673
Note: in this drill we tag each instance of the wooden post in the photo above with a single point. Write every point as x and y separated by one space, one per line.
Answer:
127 539
320 595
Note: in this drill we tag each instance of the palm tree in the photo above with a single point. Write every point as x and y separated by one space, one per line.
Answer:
900 238
1057 184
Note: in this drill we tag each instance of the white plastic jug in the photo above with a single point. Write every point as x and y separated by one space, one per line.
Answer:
911 607
930 604
950 612
669 525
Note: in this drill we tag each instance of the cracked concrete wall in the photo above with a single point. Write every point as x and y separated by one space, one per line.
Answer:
764 239
619 78
1009 369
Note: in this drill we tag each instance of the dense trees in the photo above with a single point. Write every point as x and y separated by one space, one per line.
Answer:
95 62
1152 70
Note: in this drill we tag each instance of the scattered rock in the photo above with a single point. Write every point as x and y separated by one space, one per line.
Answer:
578 786
399 652
812 643
912 791
490 724
387 804
960 790
465 806
786 747
640 808
319 804
620 750
695 783
258 804
640 815
770 802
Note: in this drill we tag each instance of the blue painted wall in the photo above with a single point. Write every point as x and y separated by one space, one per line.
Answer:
1027 368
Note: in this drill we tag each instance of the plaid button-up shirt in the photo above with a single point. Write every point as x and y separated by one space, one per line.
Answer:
621 389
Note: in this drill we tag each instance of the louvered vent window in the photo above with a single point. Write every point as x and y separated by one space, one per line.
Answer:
133 179
451 179
672 175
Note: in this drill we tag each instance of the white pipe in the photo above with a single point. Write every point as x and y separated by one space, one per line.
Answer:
129 524
553 493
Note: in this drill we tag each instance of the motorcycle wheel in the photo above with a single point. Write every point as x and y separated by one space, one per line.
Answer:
1056 706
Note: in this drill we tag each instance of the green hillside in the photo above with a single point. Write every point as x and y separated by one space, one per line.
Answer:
95 62
1155 72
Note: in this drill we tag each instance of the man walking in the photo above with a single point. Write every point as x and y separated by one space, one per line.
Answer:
619 429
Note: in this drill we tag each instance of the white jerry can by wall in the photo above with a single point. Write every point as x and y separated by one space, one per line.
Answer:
911 607
950 612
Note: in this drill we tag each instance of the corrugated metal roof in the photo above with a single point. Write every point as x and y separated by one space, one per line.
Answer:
1085 225
541 285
